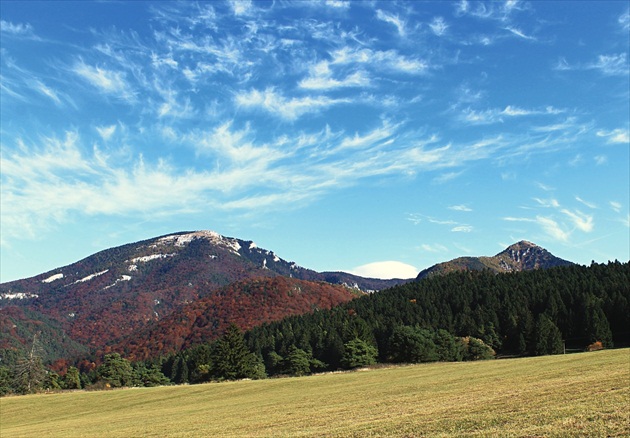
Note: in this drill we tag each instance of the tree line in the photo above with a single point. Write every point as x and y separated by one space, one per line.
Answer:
470 315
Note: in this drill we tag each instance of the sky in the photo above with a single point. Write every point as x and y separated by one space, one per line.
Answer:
371 137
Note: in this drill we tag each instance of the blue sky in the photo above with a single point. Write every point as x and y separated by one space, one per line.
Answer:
372 137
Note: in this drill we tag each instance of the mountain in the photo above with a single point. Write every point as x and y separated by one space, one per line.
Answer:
172 291
119 291
521 256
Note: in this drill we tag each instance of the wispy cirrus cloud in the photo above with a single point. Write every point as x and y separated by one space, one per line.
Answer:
110 82
438 26
436 247
581 221
322 79
19 30
289 109
561 223
608 65
460 207
616 206
549 225
618 135
392 19
379 60
495 115
499 11
519 33
462 229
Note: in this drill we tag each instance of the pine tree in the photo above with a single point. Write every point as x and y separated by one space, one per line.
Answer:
297 362
116 371
231 359
358 353
72 379
547 337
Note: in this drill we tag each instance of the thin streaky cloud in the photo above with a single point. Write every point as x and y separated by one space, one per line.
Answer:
547 202
616 206
607 64
393 20
582 221
618 135
289 109
588 204
17 29
108 81
435 247
438 26
519 33
460 207
462 229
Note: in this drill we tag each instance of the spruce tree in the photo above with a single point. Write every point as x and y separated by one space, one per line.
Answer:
231 359
358 353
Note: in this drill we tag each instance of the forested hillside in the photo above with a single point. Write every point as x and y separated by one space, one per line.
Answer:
246 303
459 316
469 315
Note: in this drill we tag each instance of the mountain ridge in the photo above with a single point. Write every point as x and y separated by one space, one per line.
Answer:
105 300
522 255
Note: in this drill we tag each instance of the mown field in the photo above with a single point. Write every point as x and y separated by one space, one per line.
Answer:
586 394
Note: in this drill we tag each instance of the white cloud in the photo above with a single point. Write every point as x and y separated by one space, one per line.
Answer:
106 132
438 26
339 4
519 33
460 207
107 81
462 229
461 7
395 20
616 135
241 7
326 82
611 65
386 270
496 115
436 247
582 221
18 29
547 202
47 91
588 204
616 206
286 108
375 59
624 20
553 228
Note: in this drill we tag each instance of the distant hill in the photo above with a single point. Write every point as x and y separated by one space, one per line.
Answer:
521 256
117 292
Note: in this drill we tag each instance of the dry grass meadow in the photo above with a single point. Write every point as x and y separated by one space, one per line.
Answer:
586 394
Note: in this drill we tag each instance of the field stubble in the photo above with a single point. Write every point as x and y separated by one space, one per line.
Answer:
574 395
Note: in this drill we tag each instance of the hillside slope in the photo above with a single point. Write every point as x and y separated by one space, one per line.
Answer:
246 303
